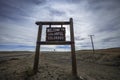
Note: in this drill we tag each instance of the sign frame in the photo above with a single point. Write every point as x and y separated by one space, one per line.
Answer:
71 42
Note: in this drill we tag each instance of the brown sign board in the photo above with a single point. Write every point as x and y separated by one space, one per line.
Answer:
55 34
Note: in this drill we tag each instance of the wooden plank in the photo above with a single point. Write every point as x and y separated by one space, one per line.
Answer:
53 23
73 55
55 42
37 52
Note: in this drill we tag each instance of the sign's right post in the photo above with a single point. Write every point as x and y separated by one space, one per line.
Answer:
73 55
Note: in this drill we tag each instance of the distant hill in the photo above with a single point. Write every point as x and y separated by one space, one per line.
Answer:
117 49
111 49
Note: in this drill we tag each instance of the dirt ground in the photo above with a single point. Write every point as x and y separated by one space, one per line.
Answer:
103 65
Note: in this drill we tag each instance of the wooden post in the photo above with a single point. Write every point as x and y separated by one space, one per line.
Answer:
37 52
74 66
91 37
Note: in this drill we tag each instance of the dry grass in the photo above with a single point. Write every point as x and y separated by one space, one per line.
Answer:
103 65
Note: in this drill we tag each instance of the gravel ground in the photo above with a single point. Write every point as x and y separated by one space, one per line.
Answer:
57 66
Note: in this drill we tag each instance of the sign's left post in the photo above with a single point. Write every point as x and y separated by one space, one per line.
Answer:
37 51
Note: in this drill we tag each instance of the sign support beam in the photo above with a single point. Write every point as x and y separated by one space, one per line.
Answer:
74 67
37 52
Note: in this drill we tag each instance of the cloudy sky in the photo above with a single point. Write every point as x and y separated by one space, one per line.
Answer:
100 18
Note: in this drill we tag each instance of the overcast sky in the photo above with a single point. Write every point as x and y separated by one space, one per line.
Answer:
100 18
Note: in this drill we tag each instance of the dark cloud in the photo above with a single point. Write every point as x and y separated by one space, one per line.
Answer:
17 9
37 2
105 15
75 1
111 39
12 11
78 38
103 4
67 1
54 12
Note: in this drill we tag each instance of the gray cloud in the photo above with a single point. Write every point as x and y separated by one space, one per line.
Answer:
98 17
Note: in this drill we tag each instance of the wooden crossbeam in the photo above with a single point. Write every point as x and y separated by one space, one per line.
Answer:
54 42
53 23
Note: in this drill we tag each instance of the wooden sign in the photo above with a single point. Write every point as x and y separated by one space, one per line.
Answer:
55 34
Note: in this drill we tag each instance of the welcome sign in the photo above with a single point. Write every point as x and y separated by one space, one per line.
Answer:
55 34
